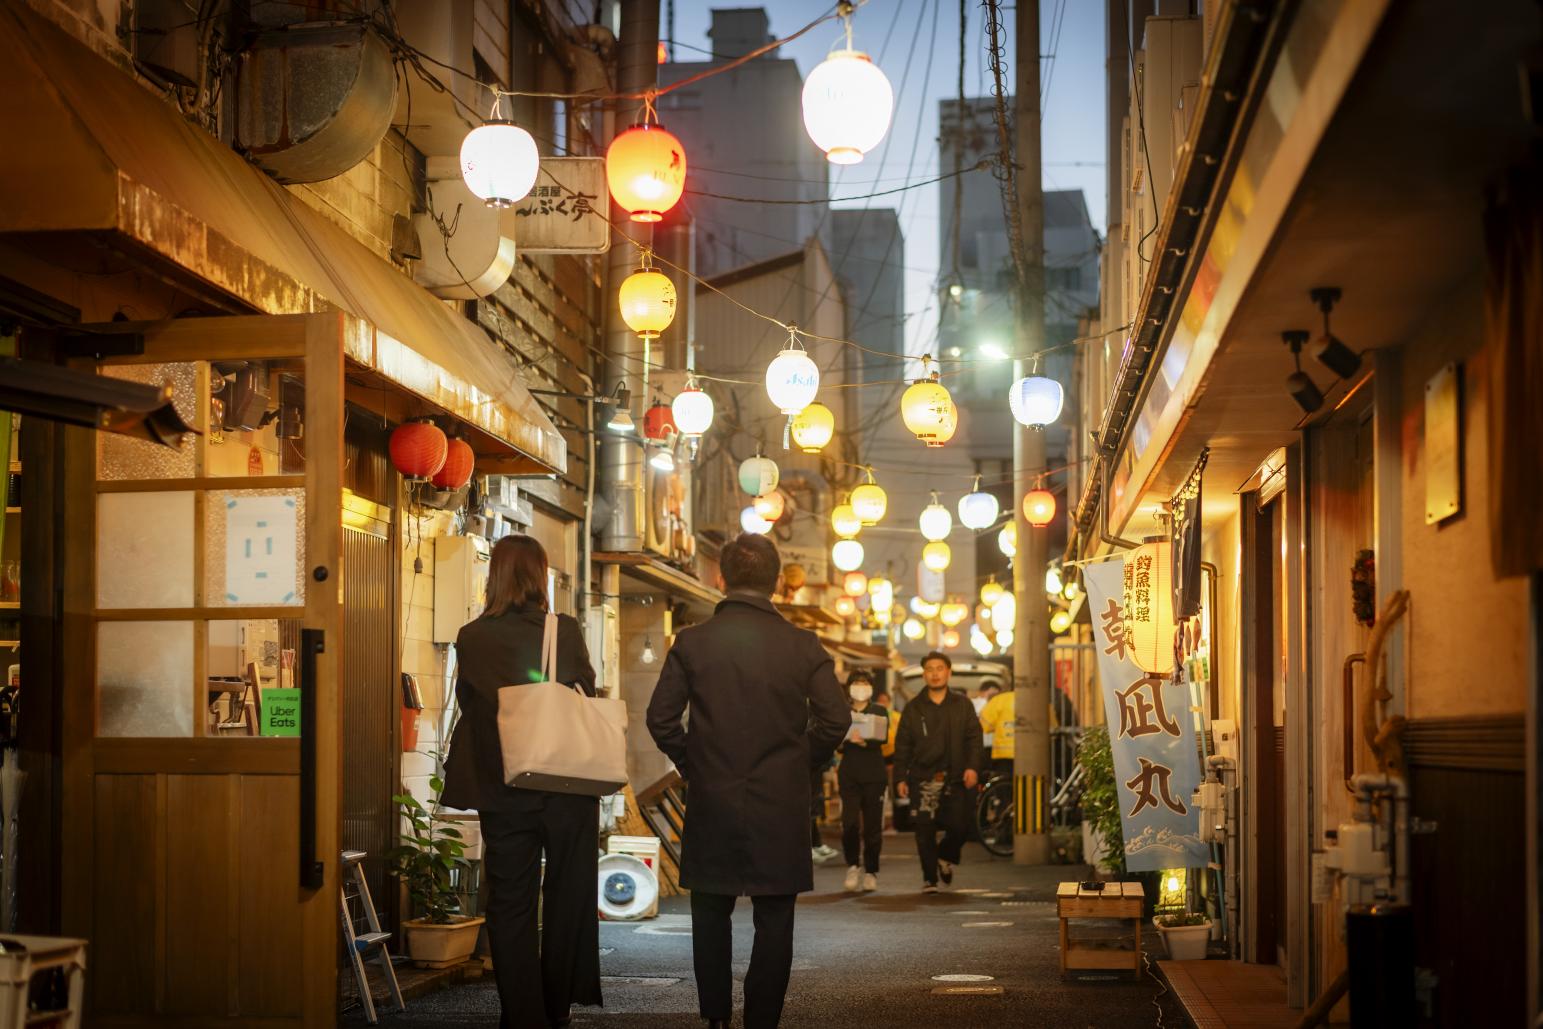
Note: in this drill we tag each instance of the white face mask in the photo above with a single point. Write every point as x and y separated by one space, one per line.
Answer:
862 694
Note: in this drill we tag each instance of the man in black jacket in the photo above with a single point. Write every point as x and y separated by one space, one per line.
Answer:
937 764
765 708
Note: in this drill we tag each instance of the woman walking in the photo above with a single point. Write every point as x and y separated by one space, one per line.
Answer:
863 778
537 981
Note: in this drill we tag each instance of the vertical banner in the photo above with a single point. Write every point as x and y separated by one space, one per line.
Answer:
1151 734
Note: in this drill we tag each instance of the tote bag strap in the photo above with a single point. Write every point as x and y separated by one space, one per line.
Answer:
549 649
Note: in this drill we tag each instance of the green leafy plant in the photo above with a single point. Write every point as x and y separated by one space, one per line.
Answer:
1175 921
429 853
1100 796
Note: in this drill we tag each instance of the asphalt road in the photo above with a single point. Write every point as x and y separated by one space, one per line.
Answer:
866 961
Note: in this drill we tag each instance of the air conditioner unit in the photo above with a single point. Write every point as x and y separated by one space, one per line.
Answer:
1172 56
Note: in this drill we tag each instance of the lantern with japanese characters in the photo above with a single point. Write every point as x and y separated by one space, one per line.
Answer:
845 521
1149 620
693 411
645 168
647 300
869 501
758 475
812 428
928 410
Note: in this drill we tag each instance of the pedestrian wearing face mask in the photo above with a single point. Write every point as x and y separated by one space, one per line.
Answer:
863 779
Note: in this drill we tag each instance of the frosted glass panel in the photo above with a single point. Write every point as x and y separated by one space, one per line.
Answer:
144 675
119 457
255 543
144 550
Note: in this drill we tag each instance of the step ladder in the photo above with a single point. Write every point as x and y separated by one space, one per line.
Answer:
360 944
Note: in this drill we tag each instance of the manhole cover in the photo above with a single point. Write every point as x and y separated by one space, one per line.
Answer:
638 980
963 977
967 991
985 925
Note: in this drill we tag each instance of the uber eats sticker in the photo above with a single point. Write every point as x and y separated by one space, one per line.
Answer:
280 713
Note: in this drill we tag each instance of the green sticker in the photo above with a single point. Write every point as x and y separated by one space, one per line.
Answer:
280 713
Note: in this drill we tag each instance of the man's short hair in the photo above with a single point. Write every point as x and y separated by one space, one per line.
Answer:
749 561
990 684
858 675
938 655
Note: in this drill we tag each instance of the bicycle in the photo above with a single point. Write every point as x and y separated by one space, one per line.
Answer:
995 813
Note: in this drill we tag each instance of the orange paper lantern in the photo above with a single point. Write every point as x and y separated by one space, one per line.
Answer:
457 469
418 449
646 170
1039 507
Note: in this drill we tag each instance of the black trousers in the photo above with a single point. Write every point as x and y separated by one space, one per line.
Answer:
771 958
540 975
862 820
950 818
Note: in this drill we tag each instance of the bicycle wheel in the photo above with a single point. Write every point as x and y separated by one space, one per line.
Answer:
994 818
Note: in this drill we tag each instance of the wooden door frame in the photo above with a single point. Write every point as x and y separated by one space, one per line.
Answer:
1257 774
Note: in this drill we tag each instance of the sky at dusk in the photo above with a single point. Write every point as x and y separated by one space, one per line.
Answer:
916 43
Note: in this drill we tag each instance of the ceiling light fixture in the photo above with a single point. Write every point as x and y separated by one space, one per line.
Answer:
1301 387
1329 350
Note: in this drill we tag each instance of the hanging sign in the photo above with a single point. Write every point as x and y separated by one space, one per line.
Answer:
260 547
564 212
1151 735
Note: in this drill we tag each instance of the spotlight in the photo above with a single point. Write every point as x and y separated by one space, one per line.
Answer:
1329 351
1302 388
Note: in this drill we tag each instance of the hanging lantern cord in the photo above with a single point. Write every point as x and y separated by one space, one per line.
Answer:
646 258
650 115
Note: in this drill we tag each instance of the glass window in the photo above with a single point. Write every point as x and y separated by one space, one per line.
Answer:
254 547
121 457
144 550
144 674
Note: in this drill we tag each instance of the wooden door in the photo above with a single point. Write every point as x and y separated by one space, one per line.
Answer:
200 852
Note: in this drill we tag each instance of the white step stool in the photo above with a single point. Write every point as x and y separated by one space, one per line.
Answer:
29 956
375 938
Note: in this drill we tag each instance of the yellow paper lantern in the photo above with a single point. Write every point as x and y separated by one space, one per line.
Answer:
991 592
1007 540
855 584
950 640
845 521
812 428
1039 507
869 501
924 608
937 556
1053 582
770 506
846 607
647 301
880 586
953 612
1060 621
928 411
645 168
1149 606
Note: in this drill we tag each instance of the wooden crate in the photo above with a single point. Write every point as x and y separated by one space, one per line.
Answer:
1115 901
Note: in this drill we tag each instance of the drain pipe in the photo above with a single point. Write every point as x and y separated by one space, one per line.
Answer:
621 459
1103 504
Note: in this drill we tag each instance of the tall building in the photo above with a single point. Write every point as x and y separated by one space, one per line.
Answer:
868 251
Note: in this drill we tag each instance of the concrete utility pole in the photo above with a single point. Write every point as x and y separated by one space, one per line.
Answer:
1031 635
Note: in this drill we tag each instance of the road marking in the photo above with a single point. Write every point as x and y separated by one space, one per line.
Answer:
963 977
638 980
985 925
967 991
969 912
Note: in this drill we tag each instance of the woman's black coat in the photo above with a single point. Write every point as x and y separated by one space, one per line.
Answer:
864 763
504 650
765 708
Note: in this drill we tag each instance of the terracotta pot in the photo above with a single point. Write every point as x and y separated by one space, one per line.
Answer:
436 945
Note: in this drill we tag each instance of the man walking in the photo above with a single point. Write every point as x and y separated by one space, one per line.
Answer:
765 708
937 764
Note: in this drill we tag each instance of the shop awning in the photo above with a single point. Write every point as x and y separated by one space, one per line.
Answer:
653 572
94 152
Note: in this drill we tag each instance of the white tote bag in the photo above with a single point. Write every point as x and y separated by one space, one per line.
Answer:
555 738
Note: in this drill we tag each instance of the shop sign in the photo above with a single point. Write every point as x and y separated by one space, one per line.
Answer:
564 212
1151 735
280 713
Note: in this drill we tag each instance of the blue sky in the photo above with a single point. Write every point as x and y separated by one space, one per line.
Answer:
916 42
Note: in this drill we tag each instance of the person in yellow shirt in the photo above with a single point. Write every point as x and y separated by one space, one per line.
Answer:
996 719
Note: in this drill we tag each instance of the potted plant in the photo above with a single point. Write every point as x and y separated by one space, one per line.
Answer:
1184 935
441 936
1103 840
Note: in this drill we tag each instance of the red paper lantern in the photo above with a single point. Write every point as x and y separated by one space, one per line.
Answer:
418 449
646 170
457 468
659 422
1039 507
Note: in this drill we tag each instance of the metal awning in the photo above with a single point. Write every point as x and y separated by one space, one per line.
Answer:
118 164
653 572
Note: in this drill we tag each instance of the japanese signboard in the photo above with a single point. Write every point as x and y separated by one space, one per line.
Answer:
1151 734
564 212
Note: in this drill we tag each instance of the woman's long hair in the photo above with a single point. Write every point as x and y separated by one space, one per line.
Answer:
516 576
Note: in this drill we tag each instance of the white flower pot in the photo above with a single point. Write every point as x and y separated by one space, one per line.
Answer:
1185 942
440 945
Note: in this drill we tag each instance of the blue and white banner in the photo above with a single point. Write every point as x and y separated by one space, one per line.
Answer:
1152 735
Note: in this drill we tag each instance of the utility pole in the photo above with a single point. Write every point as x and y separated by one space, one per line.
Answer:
1031 634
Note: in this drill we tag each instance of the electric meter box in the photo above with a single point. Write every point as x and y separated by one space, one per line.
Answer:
460 583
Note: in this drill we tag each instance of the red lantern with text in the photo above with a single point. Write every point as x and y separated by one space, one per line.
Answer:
418 449
659 422
646 170
1039 507
457 469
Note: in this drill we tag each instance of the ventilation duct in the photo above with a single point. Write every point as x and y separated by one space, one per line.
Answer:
314 99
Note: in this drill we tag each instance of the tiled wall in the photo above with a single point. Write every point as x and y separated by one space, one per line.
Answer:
420 655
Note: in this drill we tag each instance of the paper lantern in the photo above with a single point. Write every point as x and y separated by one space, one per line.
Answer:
758 475
457 469
418 449
770 506
499 162
1007 540
1149 606
848 104
812 428
846 607
1005 610
950 640
693 410
794 577
953 612
928 411
845 521
855 584
981 644
1039 507
924 608
1060 621
935 521
1035 400
847 555
792 380
658 422
752 522
991 592
1072 590
869 501
1053 581
978 510
881 617
1004 638
913 629
647 302
937 556
645 168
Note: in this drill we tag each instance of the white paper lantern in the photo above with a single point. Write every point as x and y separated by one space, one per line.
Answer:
1005 611
913 629
1035 400
499 162
937 556
847 555
758 475
977 510
1005 636
925 608
752 522
693 411
1007 540
935 521
1053 580
792 380
848 104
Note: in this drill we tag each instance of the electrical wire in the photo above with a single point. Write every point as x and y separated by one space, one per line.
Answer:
983 163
